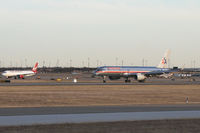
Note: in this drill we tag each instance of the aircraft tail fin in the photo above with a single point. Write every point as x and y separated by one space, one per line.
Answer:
35 67
165 60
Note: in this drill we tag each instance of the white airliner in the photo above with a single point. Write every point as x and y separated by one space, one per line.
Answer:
140 73
20 73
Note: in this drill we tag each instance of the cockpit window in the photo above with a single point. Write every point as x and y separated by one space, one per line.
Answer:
99 69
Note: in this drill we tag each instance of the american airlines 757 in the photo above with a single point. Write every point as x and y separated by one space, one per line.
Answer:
140 73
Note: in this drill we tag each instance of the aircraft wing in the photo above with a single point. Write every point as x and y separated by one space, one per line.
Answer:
148 74
154 73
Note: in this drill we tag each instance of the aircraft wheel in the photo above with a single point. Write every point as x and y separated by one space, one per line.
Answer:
127 81
141 81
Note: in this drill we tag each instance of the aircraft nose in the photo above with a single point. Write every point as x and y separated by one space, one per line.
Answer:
94 74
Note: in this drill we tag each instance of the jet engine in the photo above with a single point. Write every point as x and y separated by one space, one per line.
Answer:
140 77
19 77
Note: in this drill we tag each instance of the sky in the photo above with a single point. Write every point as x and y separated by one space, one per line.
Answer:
101 32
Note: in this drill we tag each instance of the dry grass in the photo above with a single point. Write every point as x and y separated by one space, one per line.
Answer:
27 96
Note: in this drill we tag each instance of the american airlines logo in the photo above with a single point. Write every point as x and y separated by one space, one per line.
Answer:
164 61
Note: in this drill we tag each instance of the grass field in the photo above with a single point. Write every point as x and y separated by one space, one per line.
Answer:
43 96
159 126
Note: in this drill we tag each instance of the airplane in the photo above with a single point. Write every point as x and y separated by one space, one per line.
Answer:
20 74
139 73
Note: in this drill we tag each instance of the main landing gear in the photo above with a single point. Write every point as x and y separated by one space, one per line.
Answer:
104 79
127 80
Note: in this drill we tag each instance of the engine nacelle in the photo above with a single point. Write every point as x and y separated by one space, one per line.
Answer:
113 78
140 77
19 77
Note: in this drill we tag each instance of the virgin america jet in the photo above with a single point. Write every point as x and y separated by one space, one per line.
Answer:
140 73
20 74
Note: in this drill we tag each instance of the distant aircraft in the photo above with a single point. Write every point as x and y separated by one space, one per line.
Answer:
20 74
140 73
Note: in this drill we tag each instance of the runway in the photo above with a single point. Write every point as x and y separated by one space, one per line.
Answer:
96 117
95 109
52 115
167 82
